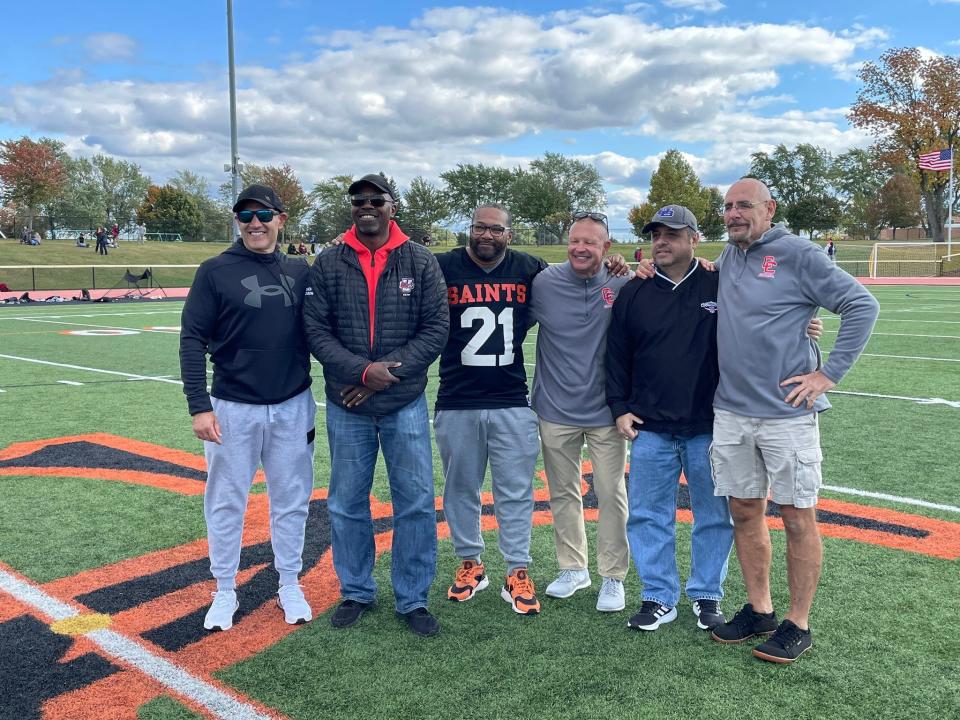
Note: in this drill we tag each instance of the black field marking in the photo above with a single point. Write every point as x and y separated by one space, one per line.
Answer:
31 671
82 454
828 517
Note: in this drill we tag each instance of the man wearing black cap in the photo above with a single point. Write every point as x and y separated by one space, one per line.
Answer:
377 321
245 309
661 373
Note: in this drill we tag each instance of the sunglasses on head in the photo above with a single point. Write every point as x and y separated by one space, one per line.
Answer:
595 216
263 216
377 201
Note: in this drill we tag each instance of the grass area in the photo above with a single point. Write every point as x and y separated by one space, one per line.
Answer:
881 621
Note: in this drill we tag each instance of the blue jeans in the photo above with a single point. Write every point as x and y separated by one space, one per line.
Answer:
655 463
354 443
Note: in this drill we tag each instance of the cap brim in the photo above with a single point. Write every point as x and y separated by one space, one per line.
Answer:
673 226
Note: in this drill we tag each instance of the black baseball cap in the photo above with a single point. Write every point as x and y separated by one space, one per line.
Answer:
261 194
378 181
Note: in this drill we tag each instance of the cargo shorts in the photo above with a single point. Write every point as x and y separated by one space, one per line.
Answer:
754 457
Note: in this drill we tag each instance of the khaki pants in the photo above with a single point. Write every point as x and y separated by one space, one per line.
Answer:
561 446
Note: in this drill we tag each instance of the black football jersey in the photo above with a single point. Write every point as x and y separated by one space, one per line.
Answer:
482 363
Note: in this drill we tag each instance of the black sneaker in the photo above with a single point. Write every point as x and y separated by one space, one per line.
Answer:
787 644
747 623
421 622
348 613
651 616
708 613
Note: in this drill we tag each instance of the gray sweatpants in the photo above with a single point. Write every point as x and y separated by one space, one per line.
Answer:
280 437
507 439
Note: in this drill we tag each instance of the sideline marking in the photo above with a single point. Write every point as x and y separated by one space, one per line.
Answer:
920 401
178 680
891 498
90 369
69 382
111 329
909 357
887 334
89 315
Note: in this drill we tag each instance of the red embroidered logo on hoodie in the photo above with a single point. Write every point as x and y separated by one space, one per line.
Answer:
769 267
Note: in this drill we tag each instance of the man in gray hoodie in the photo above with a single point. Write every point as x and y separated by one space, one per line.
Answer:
766 437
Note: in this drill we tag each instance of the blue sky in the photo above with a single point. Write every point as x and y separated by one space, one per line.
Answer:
413 89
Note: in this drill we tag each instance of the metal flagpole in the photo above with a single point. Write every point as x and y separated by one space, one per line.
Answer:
950 208
234 153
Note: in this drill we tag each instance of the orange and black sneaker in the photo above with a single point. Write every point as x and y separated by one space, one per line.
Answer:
518 590
469 580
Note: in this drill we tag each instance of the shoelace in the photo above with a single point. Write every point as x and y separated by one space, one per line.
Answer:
708 606
222 598
787 635
466 574
567 576
609 587
522 585
649 606
743 619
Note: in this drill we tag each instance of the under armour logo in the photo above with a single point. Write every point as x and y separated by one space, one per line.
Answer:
254 297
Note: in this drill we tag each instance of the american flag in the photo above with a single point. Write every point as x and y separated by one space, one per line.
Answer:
936 160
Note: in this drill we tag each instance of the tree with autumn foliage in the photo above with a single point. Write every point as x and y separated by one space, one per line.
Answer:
286 184
30 174
910 103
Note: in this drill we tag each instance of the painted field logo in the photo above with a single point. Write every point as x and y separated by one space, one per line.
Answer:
105 641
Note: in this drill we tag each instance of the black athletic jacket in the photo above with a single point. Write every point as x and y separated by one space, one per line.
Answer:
245 309
661 361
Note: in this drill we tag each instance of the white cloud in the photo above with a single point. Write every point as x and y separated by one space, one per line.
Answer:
448 92
109 47
708 6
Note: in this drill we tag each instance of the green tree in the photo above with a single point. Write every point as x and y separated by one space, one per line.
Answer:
471 185
711 226
30 174
900 203
910 103
331 208
568 185
169 209
122 188
286 185
795 177
537 201
424 205
814 213
674 182
857 175
217 219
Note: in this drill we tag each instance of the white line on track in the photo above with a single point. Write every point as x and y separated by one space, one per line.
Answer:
132 376
89 315
103 327
919 401
888 334
181 682
892 498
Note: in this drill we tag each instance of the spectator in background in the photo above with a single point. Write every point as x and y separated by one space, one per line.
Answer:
638 254
831 251
25 236
35 238
141 233
81 241
101 240
114 234
301 249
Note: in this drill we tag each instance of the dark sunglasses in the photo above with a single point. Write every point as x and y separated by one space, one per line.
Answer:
263 216
377 201
595 216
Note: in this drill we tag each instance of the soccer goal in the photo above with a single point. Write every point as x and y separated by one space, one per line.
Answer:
907 259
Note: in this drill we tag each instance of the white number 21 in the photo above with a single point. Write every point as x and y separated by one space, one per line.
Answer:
489 321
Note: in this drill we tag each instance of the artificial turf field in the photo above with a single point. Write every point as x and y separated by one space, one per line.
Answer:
103 577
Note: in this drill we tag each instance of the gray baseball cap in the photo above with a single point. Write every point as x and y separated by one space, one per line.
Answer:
673 216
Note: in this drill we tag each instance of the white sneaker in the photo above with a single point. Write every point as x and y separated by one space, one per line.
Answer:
567 583
611 598
295 608
220 614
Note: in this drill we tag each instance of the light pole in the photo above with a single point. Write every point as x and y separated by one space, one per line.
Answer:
234 153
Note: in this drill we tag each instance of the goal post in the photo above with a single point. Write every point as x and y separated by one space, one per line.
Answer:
907 259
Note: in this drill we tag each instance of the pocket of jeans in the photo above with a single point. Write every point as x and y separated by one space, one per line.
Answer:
808 476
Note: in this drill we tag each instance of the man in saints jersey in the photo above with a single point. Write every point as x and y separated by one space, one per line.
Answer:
483 414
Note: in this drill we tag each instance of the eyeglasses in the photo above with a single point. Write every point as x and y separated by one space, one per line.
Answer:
595 216
377 201
263 216
495 231
741 205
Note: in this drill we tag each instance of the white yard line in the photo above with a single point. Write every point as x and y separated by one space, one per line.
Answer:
919 401
219 703
892 498
102 327
89 315
910 357
132 376
889 334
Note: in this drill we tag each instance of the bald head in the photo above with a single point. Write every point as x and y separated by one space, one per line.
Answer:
748 211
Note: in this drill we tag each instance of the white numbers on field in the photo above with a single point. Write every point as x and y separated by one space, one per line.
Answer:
471 355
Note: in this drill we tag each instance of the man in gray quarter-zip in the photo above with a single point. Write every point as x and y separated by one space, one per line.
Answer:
766 437
573 303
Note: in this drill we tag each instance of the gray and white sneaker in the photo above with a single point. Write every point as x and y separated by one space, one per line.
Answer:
567 583
651 616
611 597
220 614
296 611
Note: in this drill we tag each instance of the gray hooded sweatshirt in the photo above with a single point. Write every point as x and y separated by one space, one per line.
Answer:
768 295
